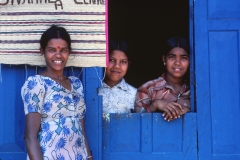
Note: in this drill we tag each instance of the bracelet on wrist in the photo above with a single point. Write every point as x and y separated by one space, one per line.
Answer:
88 157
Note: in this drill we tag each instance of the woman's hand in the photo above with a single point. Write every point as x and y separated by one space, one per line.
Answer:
171 110
184 110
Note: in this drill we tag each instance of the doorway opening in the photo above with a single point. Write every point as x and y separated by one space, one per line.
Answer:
146 26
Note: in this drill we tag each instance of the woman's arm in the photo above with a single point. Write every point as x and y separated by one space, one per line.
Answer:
172 110
185 109
143 99
33 121
89 154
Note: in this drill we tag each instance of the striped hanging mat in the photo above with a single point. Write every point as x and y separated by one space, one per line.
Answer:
23 21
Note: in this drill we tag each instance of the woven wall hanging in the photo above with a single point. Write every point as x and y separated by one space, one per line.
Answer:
23 21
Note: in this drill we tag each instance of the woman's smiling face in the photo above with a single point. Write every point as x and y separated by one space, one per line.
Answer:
56 54
118 66
177 62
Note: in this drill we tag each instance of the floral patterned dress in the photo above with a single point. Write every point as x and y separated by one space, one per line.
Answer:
60 134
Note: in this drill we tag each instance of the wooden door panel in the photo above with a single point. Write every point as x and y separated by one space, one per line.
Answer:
163 136
217 25
224 80
12 120
148 136
223 9
90 77
123 133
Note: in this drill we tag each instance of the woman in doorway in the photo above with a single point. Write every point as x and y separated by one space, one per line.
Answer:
169 93
118 96
54 105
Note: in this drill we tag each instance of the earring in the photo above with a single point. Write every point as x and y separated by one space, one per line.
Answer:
164 63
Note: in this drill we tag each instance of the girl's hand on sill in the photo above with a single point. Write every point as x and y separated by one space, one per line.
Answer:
171 110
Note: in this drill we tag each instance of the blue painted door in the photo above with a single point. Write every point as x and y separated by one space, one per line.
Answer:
11 113
217 25
148 136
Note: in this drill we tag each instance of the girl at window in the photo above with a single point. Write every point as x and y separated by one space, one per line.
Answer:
118 95
169 93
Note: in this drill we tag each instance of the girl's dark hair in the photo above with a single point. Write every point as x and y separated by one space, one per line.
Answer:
55 32
176 42
118 45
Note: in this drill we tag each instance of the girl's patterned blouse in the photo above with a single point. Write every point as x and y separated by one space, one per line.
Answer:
118 99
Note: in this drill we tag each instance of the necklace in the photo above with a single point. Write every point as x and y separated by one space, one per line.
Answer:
59 78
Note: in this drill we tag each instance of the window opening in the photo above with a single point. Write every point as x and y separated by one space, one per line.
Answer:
146 26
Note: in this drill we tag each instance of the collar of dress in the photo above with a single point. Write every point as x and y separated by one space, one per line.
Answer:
162 80
121 85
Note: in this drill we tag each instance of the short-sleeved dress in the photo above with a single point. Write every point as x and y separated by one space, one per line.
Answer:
60 134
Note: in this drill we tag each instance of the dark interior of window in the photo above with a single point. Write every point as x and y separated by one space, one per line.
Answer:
146 26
